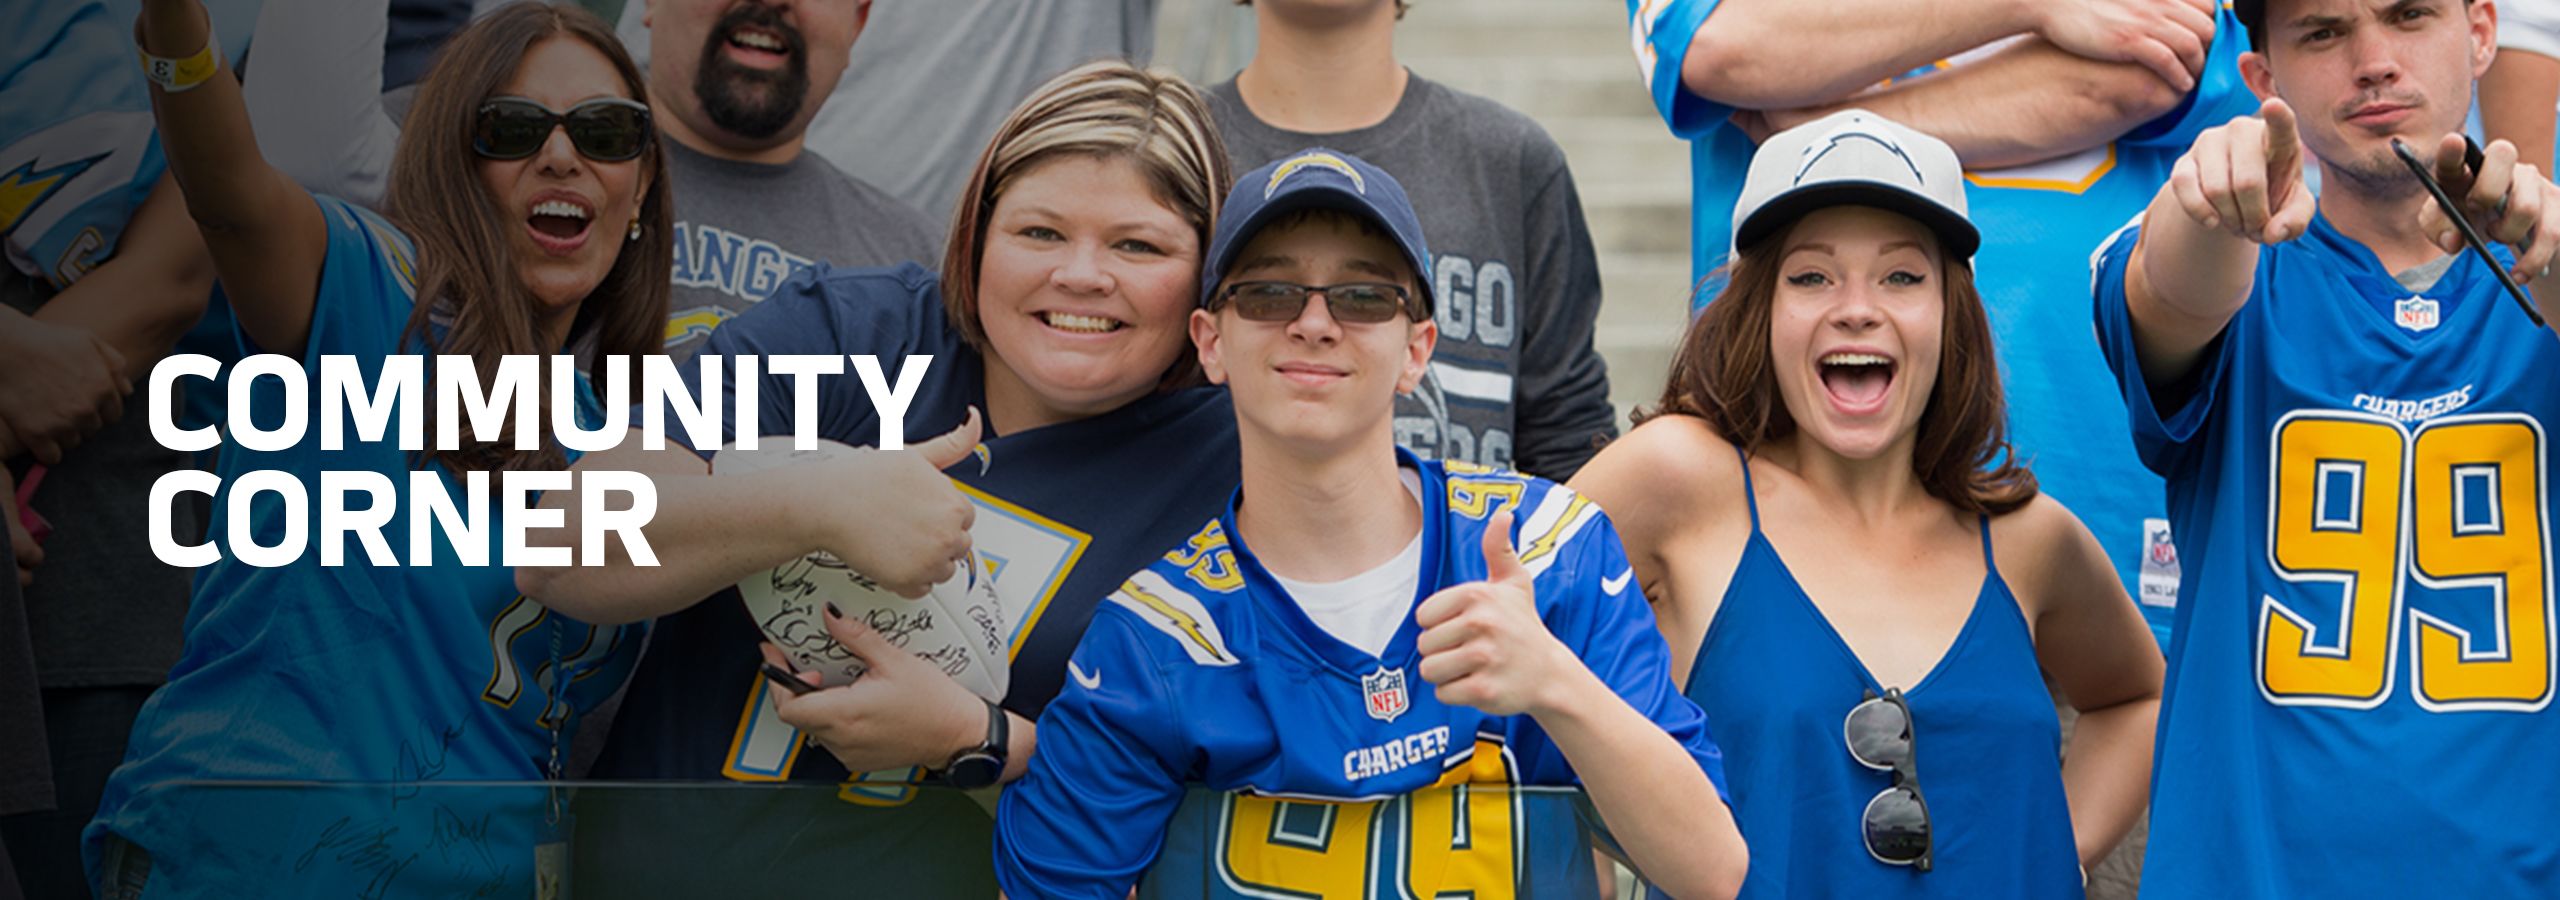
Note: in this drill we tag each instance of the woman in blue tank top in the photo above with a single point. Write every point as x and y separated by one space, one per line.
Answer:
1857 583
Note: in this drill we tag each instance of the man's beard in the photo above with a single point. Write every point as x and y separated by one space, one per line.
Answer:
752 103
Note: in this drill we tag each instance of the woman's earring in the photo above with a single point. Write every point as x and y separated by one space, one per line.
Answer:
635 230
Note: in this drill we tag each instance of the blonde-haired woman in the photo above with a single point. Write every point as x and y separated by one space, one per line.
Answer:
1056 331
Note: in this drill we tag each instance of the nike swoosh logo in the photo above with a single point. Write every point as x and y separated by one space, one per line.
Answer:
1614 585
1090 682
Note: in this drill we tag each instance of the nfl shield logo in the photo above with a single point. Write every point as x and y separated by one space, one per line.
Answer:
1385 690
2162 552
2415 314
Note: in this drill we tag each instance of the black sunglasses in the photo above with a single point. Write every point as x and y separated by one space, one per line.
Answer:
1896 822
1365 303
605 129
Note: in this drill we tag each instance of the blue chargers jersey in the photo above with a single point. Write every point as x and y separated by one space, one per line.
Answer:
2038 223
355 673
2359 701
78 147
1064 513
1328 772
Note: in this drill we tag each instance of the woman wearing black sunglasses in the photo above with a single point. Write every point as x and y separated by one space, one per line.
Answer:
526 214
1857 583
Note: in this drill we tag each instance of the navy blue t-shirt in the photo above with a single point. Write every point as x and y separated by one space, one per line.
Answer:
1064 513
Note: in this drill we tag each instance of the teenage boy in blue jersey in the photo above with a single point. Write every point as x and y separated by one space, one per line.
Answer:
1358 626
2351 416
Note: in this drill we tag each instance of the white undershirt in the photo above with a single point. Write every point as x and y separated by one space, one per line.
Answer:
1364 610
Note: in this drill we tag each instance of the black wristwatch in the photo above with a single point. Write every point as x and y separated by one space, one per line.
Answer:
982 765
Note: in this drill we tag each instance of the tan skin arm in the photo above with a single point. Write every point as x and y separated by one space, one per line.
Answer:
144 298
1775 54
1670 485
77 355
2093 643
2239 186
265 234
2028 102
2517 100
711 531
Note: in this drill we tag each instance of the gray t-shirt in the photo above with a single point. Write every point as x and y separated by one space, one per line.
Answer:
931 79
1515 382
742 228
2424 275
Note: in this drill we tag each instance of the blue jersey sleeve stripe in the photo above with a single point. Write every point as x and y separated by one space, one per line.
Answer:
1663 30
2158 438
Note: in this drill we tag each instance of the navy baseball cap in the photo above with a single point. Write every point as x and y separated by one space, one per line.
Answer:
1315 178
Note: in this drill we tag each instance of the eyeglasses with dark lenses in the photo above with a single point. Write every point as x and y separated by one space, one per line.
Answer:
1281 301
1895 823
605 129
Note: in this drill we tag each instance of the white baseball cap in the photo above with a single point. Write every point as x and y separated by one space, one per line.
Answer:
1855 158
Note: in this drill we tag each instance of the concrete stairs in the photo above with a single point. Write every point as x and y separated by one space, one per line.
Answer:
1568 64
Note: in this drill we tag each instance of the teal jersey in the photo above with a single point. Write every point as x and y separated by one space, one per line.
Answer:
2359 701
2038 224
78 147
354 673
1312 768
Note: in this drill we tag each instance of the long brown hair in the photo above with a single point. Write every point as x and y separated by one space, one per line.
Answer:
1106 110
1723 375
467 281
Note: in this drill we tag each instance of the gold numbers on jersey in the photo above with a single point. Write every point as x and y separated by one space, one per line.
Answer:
1477 498
2362 508
1459 837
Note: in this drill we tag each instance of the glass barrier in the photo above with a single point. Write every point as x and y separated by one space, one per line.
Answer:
788 842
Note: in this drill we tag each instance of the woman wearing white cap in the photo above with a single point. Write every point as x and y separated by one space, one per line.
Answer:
1849 566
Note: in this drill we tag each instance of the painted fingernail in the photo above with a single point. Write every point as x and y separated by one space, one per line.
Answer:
833 612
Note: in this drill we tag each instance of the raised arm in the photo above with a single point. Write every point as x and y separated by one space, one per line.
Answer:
265 234
1782 54
2239 186
2097 649
2026 102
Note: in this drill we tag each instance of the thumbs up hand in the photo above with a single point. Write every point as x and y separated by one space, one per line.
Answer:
1483 644
892 515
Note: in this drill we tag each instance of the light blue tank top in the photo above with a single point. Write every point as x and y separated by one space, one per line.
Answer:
1778 682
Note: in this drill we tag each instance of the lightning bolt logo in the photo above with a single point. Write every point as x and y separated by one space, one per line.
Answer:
24 188
1176 617
1546 543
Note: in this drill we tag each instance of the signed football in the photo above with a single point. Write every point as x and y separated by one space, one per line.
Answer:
959 626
